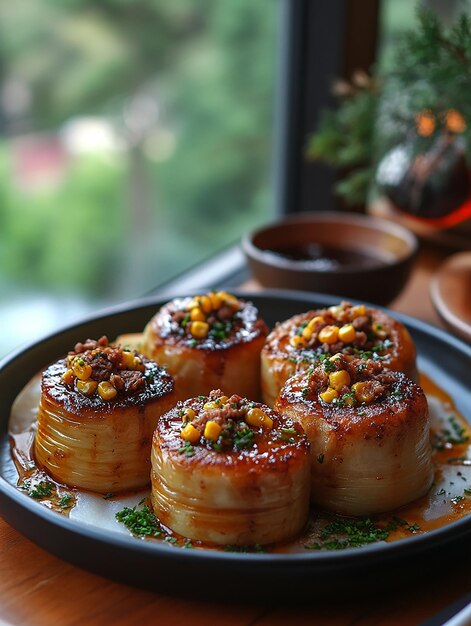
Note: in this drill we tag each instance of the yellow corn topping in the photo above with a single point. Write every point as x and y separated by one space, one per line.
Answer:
297 341
81 369
190 433
358 311
307 332
216 300
212 430
215 404
87 387
132 361
347 333
339 379
197 315
68 377
199 330
106 390
328 334
315 321
256 417
205 304
229 299
336 310
363 393
188 415
329 394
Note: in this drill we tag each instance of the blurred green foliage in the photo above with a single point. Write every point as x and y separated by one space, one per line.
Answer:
118 224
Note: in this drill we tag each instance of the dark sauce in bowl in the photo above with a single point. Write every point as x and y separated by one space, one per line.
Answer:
329 258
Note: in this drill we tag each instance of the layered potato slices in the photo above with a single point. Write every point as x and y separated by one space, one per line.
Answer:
97 413
300 341
227 470
208 342
369 431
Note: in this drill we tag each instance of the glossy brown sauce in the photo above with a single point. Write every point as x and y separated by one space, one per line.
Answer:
448 500
328 258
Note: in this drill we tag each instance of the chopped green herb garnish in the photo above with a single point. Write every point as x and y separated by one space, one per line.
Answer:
41 490
455 435
244 439
339 534
66 502
320 458
141 522
244 548
187 449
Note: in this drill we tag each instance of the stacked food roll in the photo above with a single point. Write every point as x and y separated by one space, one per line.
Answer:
208 342
98 409
369 432
357 330
228 470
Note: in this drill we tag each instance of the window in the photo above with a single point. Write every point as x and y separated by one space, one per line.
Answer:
136 138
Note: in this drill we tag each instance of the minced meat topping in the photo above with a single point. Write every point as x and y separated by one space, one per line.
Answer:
95 367
229 424
345 380
215 315
343 328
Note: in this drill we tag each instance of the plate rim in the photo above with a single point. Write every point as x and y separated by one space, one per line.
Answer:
348 558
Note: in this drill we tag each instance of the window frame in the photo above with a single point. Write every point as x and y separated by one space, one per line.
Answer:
318 42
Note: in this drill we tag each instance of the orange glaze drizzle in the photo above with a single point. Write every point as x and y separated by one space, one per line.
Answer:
448 500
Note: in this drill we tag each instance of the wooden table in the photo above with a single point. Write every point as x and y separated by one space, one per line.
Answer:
37 589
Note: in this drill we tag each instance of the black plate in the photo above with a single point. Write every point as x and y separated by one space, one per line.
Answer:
160 567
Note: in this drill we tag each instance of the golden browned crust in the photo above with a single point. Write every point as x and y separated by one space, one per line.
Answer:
100 444
235 489
228 357
366 457
377 335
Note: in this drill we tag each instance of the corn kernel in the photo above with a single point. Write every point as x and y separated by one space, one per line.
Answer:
358 311
192 304
197 315
216 300
87 387
328 334
229 299
328 395
347 333
199 330
190 433
349 401
215 404
297 341
307 333
256 417
212 430
138 364
106 390
363 392
128 359
336 310
188 415
205 304
339 379
315 321
68 377
81 369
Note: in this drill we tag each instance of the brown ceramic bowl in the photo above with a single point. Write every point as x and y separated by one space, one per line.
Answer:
348 255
